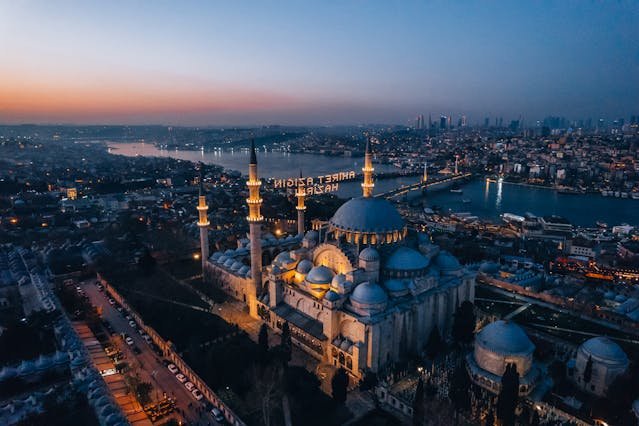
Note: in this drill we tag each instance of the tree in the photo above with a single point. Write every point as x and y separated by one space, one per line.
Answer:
286 344
490 418
588 370
418 404
435 344
143 391
508 396
459 389
464 323
262 341
339 385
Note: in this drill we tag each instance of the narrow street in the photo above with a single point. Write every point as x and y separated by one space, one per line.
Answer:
148 365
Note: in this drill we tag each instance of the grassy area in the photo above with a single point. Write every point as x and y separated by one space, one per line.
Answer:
27 339
183 269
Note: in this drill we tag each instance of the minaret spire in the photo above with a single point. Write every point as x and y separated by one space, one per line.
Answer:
301 207
254 219
367 185
203 220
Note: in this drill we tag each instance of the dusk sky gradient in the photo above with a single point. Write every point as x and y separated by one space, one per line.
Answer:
342 62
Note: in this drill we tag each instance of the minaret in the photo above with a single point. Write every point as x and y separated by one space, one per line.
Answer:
255 222
425 177
301 196
203 222
456 164
367 185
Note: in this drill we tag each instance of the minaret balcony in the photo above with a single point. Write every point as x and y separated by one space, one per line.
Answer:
255 219
202 208
202 224
253 182
254 201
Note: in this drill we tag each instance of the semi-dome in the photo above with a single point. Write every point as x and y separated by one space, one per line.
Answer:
369 293
369 254
447 262
406 259
603 349
397 287
304 266
320 275
369 216
505 337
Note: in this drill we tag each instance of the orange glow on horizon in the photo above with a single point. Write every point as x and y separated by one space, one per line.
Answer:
81 101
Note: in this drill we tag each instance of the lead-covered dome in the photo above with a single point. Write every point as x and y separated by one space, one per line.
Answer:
505 337
603 349
320 275
406 259
369 293
304 266
368 220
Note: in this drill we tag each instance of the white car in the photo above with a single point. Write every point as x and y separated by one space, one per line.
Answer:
197 394
172 368
190 386
181 377
217 415
129 341
111 301
132 323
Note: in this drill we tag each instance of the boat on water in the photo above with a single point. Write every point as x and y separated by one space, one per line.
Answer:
601 224
456 191
466 200
635 195
568 190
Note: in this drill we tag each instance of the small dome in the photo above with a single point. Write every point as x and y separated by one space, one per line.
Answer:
369 293
504 337
229 252
345 345
320 275
236 266
331 296
243 270
369 254
603 349
229 262
367 215
216 256
222 259
304 266
406 259
283 258
338 280
447 262
311 235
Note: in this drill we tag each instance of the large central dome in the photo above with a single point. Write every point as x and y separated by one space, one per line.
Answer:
368 220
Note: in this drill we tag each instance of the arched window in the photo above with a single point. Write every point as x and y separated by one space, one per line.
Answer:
341 358
349 363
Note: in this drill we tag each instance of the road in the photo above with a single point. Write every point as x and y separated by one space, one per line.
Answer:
148 365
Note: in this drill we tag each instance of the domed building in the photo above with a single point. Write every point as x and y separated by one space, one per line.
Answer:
359 291
498 344
607 361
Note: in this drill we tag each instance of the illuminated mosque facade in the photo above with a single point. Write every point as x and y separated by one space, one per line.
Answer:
359 291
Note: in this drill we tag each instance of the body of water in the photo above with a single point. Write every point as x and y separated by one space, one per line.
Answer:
483 199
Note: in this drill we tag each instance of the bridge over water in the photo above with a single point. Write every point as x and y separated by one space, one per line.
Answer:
439 182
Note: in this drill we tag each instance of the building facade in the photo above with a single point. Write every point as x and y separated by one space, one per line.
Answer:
359 291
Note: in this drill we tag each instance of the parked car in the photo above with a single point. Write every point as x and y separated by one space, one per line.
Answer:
197 394
147 338
111 301
172 368
181 377
132 323
217 415
190 386
129 341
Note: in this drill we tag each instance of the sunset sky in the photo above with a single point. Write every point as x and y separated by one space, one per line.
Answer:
302 62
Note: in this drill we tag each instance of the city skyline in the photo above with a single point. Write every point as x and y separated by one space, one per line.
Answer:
210 64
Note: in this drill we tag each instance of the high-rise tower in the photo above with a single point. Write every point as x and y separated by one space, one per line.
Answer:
425 177
203 222
255 223
301 207
367 185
